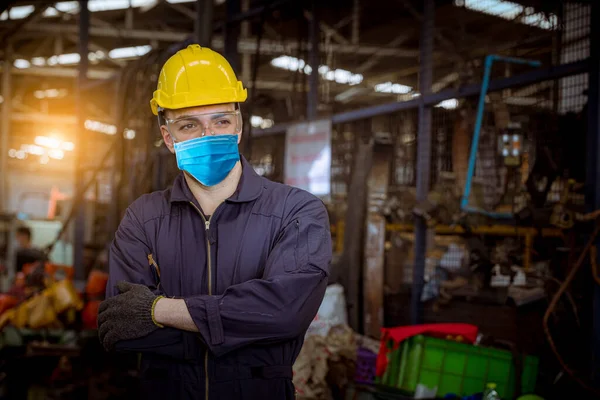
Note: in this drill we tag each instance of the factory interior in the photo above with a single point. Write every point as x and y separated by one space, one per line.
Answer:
454 143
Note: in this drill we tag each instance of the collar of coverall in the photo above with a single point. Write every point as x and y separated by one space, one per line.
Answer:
249 187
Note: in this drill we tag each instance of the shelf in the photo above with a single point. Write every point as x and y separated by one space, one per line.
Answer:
498 230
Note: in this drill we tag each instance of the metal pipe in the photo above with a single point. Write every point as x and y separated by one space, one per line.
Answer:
5 127
80 145
313 83
423 157
203 28
528 78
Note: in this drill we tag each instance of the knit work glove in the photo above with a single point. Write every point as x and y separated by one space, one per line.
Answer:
128 315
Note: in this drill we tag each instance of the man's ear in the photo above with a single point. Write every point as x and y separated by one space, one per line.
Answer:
167 138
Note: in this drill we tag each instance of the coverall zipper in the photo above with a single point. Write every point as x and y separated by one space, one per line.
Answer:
207 227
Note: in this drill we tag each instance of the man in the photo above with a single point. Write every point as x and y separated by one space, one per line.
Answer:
216 280
26 253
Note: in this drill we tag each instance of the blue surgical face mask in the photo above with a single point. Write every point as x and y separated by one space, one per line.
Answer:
209 159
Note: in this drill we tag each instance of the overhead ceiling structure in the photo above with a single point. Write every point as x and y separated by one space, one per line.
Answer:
368 50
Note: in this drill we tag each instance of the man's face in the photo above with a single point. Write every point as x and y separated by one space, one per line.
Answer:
205 119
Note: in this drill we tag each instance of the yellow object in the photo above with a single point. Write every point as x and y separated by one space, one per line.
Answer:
196 76
64 296
7 317
42 310
41 313
152 311
21 317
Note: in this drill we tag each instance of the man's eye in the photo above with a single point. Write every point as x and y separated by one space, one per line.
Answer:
223 122
187 127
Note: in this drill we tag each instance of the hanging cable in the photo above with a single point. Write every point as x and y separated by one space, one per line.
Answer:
589 248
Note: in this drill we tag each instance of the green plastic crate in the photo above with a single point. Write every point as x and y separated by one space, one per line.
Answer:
453 367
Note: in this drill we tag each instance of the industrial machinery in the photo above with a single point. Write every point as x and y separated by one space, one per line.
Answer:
509 147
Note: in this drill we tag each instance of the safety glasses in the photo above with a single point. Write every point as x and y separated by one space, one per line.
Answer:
194 126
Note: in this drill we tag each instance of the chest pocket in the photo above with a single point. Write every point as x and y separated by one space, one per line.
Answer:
306 243
295 251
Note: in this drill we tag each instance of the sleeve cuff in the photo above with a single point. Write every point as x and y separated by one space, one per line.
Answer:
205 313
215 325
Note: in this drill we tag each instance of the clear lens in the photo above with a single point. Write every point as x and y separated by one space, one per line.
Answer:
194 126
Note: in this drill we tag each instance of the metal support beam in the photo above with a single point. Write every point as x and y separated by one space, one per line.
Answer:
95 47
31 18
180 8
40 46
373 60
245 31
593 168
528 78
101 76
129 18
423 157
312 100
59 44
343 22
5 127
376 57
350 264
245 45
356 22
454 53
257 11
118 157
374 241
232 35
79 237
41 118
445 81
203 27
328 30
63 72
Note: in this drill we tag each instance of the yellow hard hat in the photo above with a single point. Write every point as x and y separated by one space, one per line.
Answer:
196 76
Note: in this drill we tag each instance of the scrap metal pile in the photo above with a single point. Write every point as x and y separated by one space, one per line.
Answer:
44 296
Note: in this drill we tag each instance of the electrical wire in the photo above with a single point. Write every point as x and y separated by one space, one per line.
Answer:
593 255
570 299
554 302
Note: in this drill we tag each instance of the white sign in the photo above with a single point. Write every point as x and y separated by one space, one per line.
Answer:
308 157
